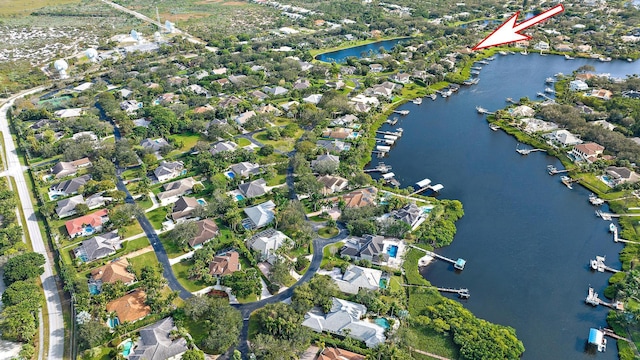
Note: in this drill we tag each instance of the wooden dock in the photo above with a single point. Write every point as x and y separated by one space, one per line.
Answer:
458 264
397 133
599 265
463 293
381 168
612 334
527 151
615 234
542 95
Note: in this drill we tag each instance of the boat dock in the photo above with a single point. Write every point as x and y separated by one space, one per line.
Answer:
552 170
542 95
389 178
614 229
381 167
482 110
457 264
593 300
567 181
510 100
599 265
463 293
392 121
527 151
594 200
397 133
401 112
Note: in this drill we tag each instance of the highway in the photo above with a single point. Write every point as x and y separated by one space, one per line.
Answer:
54 306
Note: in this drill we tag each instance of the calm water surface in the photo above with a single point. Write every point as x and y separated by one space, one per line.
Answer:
527 238
341 56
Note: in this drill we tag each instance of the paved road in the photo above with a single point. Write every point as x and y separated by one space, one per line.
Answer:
54 306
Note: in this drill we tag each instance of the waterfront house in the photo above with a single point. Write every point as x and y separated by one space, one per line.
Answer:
68 187
578 85
266 243
254 188
564 138
563 47
531 125
173 190
131 307
402 78
588 152
356 278
585 48
522 111
245 169
325 158
98 246
621 175
410 214
333 145
88 224
344 319
225 264
601 94
183 208
114 271
69 168
260 215
168 170
332 184
375 68
67 207
541 45
207 230
223 146
361 197
159 342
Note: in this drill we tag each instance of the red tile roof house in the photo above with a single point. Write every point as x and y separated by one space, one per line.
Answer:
88 224
588 152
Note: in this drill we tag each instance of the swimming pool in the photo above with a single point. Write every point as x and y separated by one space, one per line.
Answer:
201 202
94 289
230 174
392 250
239 197
382 322
126 347
113 322
89 230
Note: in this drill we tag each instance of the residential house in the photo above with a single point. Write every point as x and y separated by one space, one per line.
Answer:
621 175
564 138
356 278
154 145
605 124
226 264
131 106
68 187
114 271
254 188
201 74
361 197
166 99
563 47
333 353
269 109
131 307
369 247
183 208
289 105
223 82
260 215
301 84
578 85
585 76
90 135
522 111
69 168
584 48
237 79
229 102
203 109
98 246
244 117
157 342
332 184
142 122
588 152
88 224
333 145
344 319
375 68
275 91
542 45
67 207
223 146
338 84
68 113
245 169
266 243
367 100
325 158
305 65
219 71
410 214
259 95
313 99
168 170
402 78
125 93
337 133
207 230
531 125
96 201
175 189
346 120
601 94
347 70
198 90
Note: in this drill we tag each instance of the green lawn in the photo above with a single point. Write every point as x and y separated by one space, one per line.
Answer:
157 217
181 270
188 141
170 247
140 261
279 179
248 299
196 330
130 230
328 232
145 204
242 142
135 245
131 174
284 144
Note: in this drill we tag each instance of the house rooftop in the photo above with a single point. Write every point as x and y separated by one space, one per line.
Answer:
130 307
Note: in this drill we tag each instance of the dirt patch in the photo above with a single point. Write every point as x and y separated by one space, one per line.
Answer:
180 17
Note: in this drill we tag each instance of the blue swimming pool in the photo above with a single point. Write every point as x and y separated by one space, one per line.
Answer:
230 174
392 250
88 229
126 347
382 322
239 197
201 202
94 289
113 322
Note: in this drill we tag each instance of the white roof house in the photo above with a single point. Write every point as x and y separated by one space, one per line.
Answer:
522 111
267 242
67 113
261 214
345 315
578 85
244 117
313 99
564 137
356 278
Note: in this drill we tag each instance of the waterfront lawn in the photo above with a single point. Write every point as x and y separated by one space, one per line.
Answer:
429 340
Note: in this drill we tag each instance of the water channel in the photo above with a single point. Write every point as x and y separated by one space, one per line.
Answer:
341 56
526 237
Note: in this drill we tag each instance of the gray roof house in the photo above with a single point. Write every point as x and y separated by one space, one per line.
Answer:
154 145
168 170
411 214
260 215
223 146
254 188
266 243
157 343
334 145
67 207
245 169
175 189
368 247
275 91
98 246
325 157
344 317
64 168
244 117
356 278
183 208
68 187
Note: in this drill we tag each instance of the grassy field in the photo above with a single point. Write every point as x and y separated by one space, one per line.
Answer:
181 270
156 217
141 260
284 144
242 142
17 7
188 141
170 247
327 232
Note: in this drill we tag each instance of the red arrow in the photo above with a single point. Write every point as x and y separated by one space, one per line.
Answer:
510 32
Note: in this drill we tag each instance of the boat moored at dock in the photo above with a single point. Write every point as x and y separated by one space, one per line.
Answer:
596 339
417 101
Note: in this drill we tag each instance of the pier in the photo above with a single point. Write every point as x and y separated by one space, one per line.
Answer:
401 112
381 168
552 170
527 151
457 264
482 110
593 300
614 229
510 100
542 95
599 265
463 293
392 121
397 133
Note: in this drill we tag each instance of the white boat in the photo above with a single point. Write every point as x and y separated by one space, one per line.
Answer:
550 80
594 200
567 57
491 58
494 127
503 53
433 97
604 59
524 52
612 227
483 62
567 181
549 90
417 101
559 74
481 110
